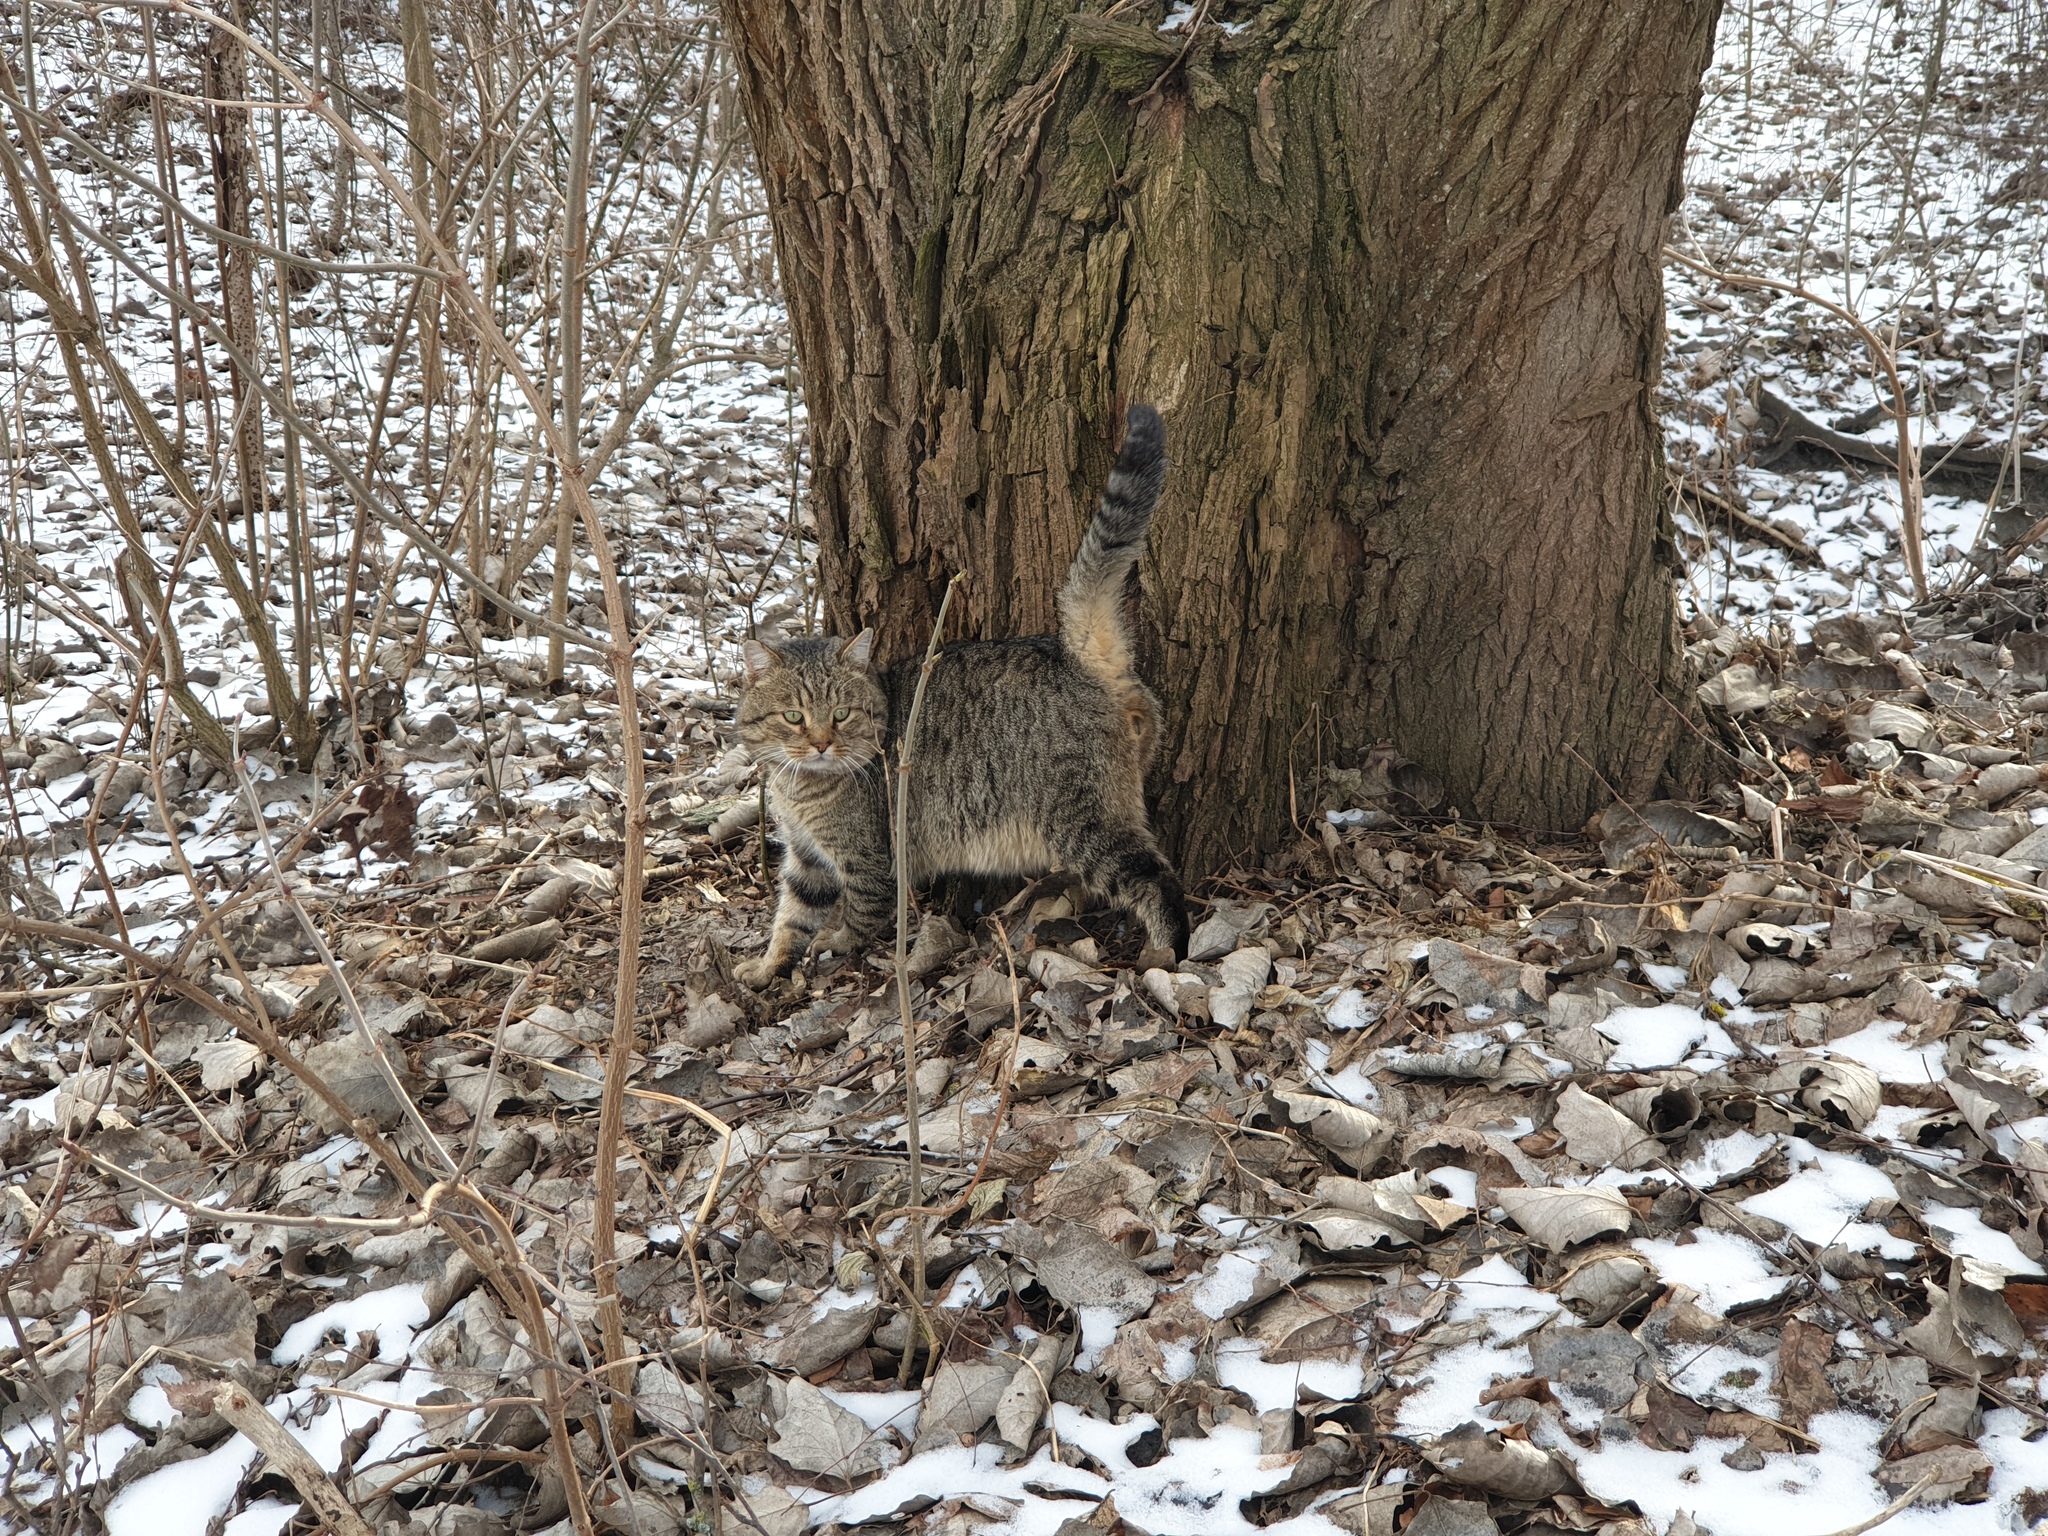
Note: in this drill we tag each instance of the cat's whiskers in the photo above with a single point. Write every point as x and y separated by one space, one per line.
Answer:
778 765
815 765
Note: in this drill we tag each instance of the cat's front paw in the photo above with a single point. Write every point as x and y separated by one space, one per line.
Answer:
841 941
758 974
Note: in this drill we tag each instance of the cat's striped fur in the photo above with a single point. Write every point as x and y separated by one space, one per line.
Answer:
1031 753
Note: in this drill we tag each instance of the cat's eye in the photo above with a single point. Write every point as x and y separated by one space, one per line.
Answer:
841 713
793 716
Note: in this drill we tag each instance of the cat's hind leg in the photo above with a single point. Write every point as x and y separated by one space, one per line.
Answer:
810 889
1124 866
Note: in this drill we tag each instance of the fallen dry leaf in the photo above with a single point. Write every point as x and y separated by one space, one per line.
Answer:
1495 1463
1601 1136
1559 1217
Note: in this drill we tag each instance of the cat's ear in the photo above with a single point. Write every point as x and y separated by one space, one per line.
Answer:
758 658
860 650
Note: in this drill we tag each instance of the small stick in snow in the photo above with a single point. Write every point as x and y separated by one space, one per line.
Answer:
1903 1502
910 1104
233 1403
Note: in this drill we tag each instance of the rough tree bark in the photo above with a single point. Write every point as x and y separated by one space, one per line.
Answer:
1392 272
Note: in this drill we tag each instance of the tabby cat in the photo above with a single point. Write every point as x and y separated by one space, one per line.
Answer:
1030 753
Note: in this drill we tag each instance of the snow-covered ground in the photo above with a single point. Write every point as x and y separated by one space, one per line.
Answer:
1452 1184
1813 163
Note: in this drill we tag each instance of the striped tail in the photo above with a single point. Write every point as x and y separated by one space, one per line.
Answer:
1091 601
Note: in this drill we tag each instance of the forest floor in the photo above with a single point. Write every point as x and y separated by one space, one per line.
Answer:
1687 1176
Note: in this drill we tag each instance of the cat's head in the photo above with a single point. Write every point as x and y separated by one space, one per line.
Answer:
812 705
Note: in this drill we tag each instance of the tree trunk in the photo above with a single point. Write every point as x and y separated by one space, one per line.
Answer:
1391 272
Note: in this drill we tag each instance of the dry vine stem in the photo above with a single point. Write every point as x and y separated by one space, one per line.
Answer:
68 325
575 251
484 327
1009 1074
1911 536
910 1104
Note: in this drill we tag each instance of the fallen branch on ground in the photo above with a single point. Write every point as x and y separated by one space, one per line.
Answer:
1792 427
1912 534
1716 505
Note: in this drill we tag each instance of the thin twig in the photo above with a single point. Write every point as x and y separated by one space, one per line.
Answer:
1045 1391
373 1042
723 1131
910 1104
1910 532
988 1152
420 1216
476 1141
1967 872
1903 1502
